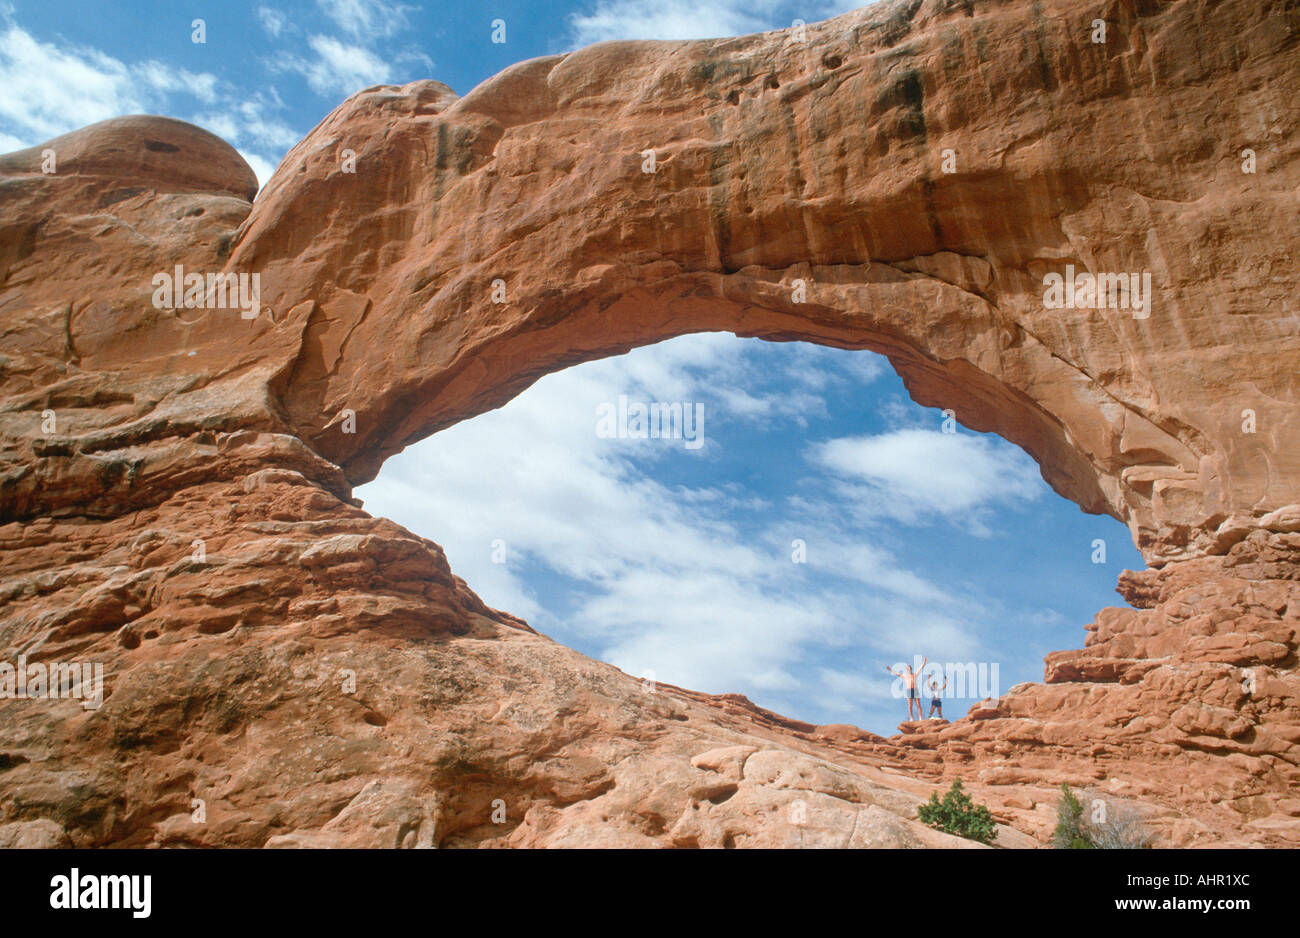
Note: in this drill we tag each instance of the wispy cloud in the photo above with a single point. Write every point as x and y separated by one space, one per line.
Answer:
670 19
367 19
694 19
52 89
250 122
920 476
693 582
340 68
273 21
170 80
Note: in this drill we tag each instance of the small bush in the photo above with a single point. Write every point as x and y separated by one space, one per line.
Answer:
1109 825
1068 834
957 814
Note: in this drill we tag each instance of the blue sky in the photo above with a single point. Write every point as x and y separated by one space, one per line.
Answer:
667 561
268 72
679 563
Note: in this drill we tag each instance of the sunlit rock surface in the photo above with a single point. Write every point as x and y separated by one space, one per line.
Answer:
282 669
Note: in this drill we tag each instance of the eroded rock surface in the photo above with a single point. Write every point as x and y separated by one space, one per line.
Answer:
176 482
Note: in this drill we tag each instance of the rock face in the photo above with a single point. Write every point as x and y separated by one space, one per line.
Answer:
283 669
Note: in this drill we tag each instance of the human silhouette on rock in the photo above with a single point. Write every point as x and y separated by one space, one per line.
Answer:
936 699
909 682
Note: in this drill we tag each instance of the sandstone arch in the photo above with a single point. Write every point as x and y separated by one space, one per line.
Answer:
776 160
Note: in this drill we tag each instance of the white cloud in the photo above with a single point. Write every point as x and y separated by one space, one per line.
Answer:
340 67
693 583
917 475
706 628
694 19
670 19
273 21
870 565
366 19
52 89
247 126
805 368
49 91
838 692
795 405
161 77
261 166
347 64
247 123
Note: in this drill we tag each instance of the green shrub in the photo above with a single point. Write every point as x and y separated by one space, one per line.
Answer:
1111 825
1068 834
957 814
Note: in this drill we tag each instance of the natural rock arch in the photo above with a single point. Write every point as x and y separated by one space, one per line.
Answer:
776 160
380 280
832 175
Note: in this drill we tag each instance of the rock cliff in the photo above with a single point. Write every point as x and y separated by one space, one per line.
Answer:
283 669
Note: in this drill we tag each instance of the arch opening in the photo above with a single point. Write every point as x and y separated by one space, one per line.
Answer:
805 525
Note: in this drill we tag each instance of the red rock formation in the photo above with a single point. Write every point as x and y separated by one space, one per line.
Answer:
176 487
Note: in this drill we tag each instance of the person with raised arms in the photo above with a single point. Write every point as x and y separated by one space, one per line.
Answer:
909 683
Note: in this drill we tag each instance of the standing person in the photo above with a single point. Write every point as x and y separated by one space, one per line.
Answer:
936 701
909 682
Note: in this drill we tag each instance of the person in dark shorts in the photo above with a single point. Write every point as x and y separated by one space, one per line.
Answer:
936 702
909 684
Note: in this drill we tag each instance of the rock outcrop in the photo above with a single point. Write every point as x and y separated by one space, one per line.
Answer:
283 669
